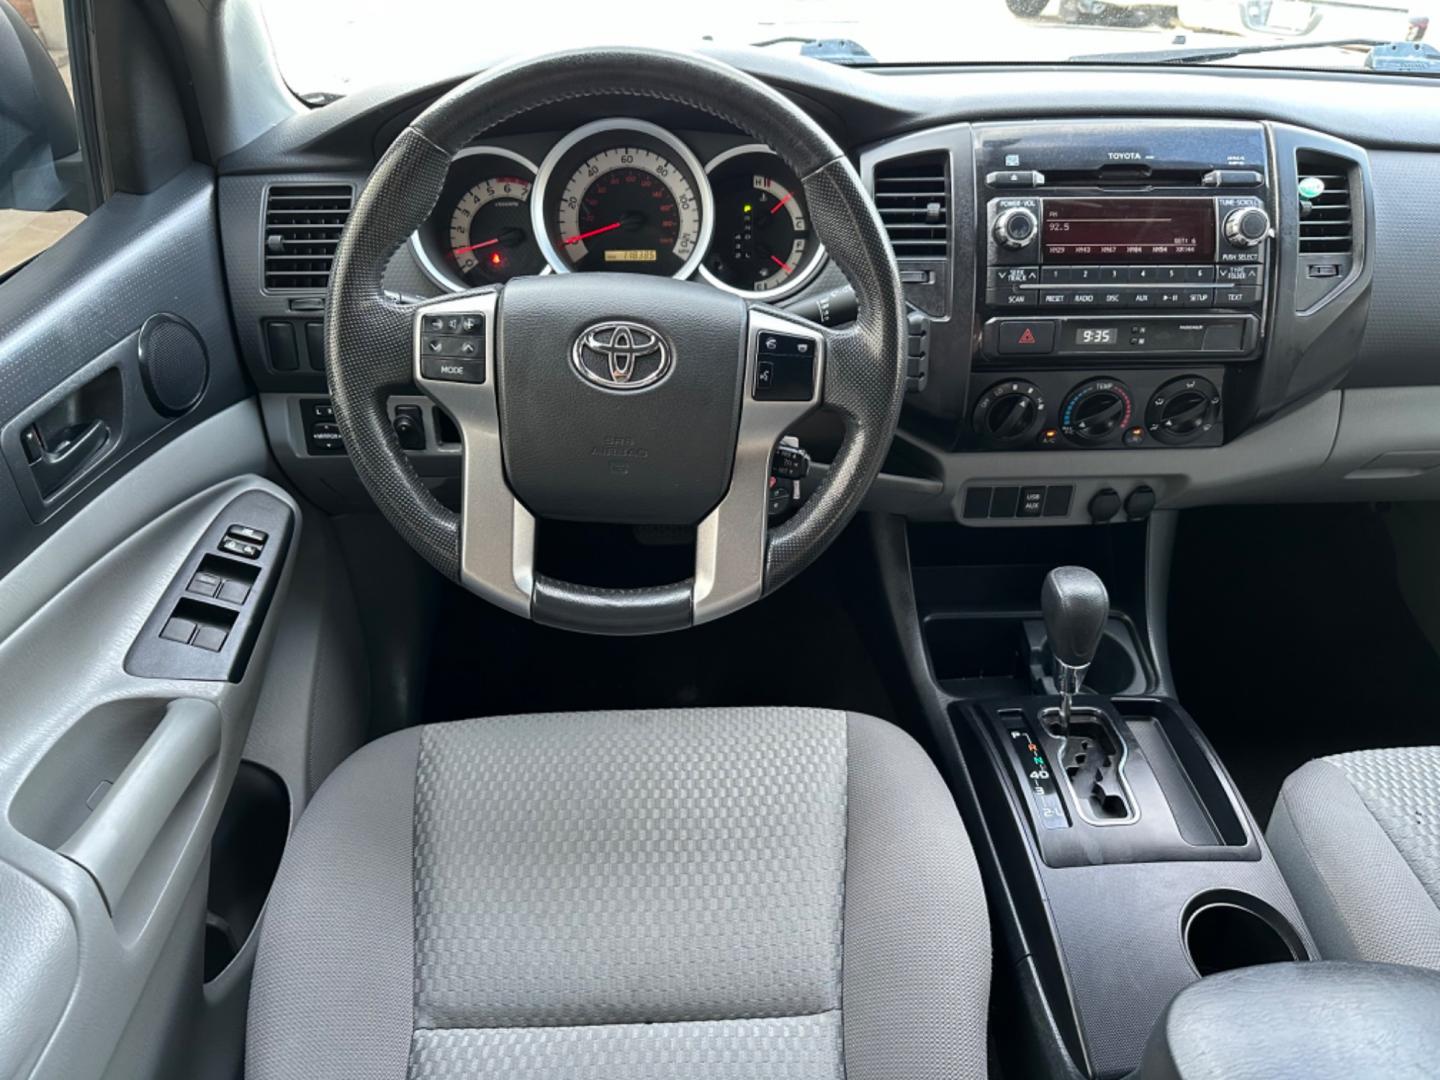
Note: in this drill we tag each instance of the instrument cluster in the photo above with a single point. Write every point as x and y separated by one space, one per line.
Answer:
626 196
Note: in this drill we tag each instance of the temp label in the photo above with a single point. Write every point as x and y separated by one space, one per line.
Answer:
1039 780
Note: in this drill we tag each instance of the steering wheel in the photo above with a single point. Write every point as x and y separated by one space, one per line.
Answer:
609 397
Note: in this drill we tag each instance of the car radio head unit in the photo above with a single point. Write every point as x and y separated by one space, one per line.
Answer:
1144 241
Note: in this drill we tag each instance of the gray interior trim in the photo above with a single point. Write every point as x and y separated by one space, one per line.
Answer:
227 444
120 831
917 937
334 981
730 541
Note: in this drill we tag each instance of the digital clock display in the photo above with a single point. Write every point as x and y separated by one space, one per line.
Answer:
1097 336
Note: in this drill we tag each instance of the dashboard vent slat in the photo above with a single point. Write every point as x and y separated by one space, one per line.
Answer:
302 228
912 195
1327 225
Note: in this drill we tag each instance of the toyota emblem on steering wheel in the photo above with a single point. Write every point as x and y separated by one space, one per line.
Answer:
621 355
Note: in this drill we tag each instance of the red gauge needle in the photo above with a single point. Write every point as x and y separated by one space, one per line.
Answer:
593 232
476 247
788 196
781 263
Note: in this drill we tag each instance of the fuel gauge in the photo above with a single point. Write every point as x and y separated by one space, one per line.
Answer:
762 245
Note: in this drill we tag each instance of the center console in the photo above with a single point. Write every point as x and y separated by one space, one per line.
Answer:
1145 248
1122 863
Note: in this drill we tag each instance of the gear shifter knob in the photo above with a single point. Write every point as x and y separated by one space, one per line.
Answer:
1075 606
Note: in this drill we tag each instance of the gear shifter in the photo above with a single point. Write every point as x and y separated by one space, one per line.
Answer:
1076 606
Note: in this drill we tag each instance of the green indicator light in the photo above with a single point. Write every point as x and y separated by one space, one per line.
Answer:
1312 187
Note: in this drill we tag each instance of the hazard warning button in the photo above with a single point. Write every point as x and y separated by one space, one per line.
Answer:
1026 336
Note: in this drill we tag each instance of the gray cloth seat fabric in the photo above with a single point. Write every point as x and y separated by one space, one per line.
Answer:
1357 837
726 893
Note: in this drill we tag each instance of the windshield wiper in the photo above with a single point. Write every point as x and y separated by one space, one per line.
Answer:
1204 54
842 51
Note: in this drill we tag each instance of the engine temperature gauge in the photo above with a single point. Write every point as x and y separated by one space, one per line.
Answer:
763 245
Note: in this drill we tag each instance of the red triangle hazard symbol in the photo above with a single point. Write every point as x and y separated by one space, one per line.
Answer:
1027 338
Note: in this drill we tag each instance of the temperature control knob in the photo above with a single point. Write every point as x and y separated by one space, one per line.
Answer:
1183 409
1096 411
1247 227
1016 228
1009 413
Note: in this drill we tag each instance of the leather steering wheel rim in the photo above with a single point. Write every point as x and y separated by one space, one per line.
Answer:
370 339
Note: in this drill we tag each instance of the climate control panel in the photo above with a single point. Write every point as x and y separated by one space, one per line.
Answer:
1131 410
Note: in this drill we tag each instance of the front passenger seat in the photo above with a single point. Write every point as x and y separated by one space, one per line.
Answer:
727 893
1357 837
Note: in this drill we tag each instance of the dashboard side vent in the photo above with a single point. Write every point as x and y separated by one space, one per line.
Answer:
1327 224
913 197
302 229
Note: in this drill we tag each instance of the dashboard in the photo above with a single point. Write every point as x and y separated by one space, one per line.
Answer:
622 195
1150 313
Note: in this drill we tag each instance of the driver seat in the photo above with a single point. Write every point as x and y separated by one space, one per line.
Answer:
707 893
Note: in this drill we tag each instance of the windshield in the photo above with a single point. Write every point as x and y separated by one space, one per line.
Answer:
334 47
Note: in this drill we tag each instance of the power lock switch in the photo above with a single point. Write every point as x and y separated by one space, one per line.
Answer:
784 367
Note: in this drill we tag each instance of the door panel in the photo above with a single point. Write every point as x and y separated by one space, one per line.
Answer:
70 355
127 430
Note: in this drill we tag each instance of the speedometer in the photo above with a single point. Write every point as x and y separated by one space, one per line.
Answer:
626 196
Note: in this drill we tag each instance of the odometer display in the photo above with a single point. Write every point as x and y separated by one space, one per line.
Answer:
623 197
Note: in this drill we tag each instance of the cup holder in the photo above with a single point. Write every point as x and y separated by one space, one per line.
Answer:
1225 930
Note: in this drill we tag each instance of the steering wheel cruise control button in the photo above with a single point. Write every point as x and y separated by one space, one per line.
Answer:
784 368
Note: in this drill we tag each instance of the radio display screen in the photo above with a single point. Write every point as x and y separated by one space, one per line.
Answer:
1128 231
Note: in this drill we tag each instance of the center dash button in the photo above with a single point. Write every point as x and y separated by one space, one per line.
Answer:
1025 336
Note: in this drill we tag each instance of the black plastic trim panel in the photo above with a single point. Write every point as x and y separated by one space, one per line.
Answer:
235 605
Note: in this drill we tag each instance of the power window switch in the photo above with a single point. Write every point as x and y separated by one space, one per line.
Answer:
245 532
245 550
181 630
204 583
234 592
211 638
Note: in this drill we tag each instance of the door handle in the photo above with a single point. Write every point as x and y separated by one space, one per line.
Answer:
53 467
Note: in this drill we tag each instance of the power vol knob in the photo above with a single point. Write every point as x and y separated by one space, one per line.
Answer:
1016 228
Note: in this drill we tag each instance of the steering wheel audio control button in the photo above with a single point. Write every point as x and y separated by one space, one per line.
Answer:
447 369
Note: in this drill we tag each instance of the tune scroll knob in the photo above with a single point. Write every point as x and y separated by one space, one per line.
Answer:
1016 228
1247 227
1009 413
1096 411
1183 410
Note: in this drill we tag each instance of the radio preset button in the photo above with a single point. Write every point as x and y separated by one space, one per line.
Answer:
1084 275
1199 275
1055 275
1145 275
1114 275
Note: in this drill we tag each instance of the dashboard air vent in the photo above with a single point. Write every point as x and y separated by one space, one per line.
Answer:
302 228
1326 222
913 197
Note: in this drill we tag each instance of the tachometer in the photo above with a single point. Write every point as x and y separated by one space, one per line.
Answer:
480 232
623 195
762 243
